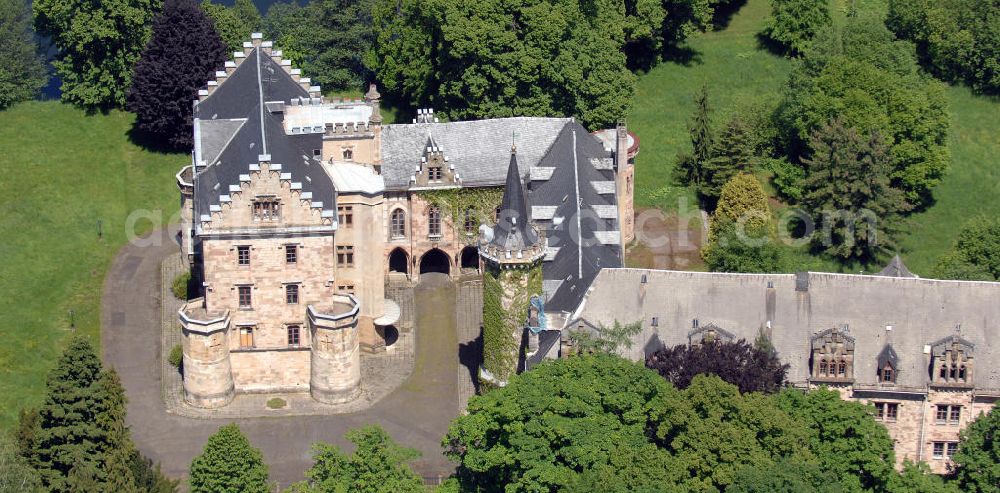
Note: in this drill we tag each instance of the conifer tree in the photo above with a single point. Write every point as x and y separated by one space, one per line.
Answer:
229 464
181 56
118 446
69 437
732 154
691 167
848 190
22 70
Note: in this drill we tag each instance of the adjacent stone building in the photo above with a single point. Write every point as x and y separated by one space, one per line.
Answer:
923 352
296 209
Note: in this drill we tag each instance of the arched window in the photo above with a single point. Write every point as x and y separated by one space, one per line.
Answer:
397 224
348 154
434 221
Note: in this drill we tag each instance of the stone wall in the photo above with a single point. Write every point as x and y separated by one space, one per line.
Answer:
271 371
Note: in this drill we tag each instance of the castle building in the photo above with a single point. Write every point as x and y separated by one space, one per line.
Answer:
296 210
922 352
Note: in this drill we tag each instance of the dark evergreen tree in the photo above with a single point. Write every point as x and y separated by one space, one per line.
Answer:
691 166
848 190
732 153
118 447
69 437
749 368
180 58
22 69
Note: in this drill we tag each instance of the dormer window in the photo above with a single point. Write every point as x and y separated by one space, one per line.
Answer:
887 364
266 209
833 356
348 154
952 362
709 334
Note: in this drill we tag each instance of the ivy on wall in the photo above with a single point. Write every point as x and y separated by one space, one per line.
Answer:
502 328
453 202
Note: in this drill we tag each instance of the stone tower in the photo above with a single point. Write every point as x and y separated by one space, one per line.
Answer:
512 255
625 150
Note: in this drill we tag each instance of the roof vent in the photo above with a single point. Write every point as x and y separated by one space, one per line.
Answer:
643 280
802 281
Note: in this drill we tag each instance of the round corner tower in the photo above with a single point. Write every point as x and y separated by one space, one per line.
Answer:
208 375
513 256
335 374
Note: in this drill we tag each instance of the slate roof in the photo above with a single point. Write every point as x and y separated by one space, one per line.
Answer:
896 268
513 230
910 314
478 149
233 128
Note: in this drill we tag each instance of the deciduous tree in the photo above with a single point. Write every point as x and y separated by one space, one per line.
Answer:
749 368
234 23
22 69
977 462
794 23
182 55
98 45
378 465
229 464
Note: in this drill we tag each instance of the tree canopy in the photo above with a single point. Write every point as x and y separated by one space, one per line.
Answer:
977 462
794 23
749 368
182 54
229 464
975 255
378 465
22 69
234 23
98 45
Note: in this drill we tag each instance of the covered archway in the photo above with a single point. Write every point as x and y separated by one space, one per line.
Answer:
399 261
435 261
469 258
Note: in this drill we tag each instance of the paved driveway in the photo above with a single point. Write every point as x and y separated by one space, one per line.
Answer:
416 415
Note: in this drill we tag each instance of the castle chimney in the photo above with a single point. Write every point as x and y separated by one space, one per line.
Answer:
372 97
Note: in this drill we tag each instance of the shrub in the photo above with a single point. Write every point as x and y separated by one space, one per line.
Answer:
181 286
176 357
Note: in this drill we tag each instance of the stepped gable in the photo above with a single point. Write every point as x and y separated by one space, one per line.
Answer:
234 128
513 232
478 150
568 190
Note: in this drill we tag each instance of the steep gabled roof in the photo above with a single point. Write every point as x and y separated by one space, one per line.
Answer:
896 268
513 232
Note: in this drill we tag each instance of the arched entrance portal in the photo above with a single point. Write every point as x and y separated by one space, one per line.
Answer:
435 261
470 258
399 261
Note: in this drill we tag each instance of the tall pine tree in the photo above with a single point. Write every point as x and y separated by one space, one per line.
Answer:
849 192
732 154
181 56
69 437
691 166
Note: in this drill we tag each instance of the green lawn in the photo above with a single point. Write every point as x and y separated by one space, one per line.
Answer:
736 70
64 171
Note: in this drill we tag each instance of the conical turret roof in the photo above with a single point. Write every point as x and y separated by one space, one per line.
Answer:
512 231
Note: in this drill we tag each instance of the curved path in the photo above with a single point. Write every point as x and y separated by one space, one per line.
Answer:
416 415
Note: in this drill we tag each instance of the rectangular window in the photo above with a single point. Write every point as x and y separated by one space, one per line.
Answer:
948 415
245 296
345 289
291 254
345 256
434 173
938 450
292 294
952 448
294 335
243 255
345 215
266 209
886 411
246 337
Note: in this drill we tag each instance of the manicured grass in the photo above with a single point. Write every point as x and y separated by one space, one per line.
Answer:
63 172
971 187
734 69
